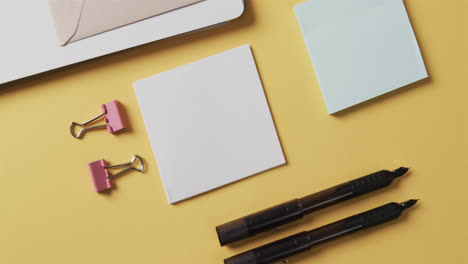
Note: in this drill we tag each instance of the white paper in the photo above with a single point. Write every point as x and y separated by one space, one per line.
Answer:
209 123
359 49
29 43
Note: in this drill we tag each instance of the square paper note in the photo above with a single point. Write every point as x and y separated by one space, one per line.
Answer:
209 123
359 49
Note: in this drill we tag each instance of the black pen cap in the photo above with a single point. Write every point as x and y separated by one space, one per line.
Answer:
267 219
244 258
232 231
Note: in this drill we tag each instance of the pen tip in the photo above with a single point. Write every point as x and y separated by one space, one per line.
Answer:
400 171
408 204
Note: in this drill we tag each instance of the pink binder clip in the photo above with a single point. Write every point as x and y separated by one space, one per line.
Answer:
112 113
100 175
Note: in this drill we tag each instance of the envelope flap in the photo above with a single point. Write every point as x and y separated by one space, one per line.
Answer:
66 17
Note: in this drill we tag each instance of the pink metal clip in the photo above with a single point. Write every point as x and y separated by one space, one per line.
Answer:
113 116
112 113
100 175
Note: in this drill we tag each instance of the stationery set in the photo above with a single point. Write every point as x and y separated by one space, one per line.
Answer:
208 122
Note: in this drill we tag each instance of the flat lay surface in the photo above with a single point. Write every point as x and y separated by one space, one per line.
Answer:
51 213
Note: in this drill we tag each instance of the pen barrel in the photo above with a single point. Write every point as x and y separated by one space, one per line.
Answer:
303 241
273 217
274 251
376 216
258 222
346 191
355 223
283 248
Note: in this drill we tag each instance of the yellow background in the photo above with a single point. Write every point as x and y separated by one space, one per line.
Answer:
50 213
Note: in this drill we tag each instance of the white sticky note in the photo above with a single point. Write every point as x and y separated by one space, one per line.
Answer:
209 123
359 49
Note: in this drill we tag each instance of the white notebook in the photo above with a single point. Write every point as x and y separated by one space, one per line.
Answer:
209 123
29 43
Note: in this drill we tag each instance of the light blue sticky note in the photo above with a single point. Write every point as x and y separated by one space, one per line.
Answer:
359 49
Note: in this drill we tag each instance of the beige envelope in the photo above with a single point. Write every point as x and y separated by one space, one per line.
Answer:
79 19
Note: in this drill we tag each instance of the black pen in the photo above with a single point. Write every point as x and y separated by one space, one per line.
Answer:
272 218
303 241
